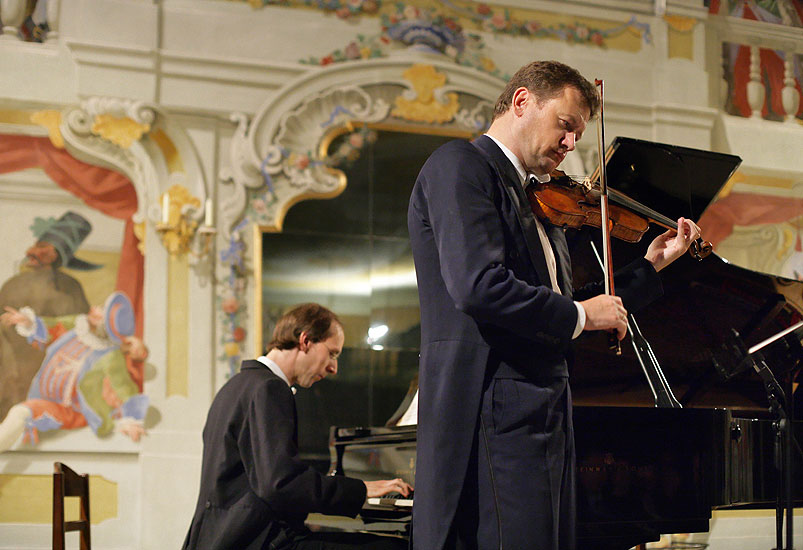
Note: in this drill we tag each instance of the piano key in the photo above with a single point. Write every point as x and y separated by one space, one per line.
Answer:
384 501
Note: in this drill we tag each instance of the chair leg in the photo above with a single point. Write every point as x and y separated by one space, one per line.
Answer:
58 510
85 542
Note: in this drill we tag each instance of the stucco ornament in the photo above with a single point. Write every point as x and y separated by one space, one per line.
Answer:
50 119
424 103
177 229
134 161
289 163
122 131
114 133
303 167
281 156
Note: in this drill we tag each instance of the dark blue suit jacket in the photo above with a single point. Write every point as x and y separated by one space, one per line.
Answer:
254 488
484 309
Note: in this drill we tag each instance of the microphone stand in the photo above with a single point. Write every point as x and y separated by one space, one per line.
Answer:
779 406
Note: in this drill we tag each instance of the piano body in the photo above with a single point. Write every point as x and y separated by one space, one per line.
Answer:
642 470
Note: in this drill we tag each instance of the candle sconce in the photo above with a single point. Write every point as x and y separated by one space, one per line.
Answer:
206 237
179 223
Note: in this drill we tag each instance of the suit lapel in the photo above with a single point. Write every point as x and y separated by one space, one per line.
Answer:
509 179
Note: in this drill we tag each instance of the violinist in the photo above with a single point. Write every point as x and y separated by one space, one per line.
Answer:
495 444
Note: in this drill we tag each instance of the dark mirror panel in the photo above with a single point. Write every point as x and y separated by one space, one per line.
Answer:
352 254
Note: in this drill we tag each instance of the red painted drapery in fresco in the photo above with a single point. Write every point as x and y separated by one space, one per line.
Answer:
746 209
100 188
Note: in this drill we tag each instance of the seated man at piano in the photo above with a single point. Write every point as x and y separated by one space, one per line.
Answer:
495 455
255 491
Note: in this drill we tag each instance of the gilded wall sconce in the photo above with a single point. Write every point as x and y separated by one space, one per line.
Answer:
179 223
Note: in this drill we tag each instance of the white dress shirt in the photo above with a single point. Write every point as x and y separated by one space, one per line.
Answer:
276 369
545 244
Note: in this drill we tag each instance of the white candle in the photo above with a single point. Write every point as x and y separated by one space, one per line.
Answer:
209 220
165 209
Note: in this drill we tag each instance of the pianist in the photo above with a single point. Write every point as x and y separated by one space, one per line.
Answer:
495 444
255 492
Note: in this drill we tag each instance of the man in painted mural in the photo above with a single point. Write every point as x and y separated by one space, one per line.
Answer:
83 379
43 286
495 454
255 491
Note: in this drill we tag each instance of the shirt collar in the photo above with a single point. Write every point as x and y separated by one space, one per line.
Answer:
517 163
275 369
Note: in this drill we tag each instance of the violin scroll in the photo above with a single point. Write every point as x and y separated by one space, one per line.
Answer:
700 249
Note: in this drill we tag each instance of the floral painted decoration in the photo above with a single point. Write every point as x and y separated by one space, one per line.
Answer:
426 30
259 205
347 151
231 299
431 30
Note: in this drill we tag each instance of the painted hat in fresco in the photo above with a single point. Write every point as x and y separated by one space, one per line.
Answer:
119 317
65 234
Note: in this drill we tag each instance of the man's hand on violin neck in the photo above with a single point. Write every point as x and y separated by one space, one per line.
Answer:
605 312
671 245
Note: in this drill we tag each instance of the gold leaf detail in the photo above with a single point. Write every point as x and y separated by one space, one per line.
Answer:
139 233
120 131
680 23
51 120
179 229
425 107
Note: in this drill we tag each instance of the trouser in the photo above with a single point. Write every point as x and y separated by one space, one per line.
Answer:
519 490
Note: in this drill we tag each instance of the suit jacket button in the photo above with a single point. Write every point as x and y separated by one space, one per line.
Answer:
207 504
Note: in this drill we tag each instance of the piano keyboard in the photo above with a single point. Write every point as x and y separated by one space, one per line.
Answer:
397 502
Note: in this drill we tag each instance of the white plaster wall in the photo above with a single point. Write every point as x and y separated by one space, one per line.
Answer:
123 469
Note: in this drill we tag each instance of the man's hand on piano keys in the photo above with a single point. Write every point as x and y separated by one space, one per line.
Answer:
384 486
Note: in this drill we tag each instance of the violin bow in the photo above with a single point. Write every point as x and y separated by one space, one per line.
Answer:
605 222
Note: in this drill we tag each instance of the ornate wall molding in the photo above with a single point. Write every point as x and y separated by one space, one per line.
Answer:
109 132
279 157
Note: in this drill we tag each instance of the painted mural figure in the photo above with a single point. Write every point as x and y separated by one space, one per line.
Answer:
45 288
83 379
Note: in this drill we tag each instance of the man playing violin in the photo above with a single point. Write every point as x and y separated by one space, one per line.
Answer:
495 447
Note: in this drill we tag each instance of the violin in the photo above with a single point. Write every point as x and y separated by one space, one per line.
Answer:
566 202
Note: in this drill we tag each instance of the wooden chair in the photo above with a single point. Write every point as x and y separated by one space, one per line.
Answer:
66 483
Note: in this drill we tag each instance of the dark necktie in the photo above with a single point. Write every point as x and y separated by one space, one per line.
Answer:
548 234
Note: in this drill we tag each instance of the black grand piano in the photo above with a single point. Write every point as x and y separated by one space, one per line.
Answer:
644 470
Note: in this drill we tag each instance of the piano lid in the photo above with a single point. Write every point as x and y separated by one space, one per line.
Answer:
675 181
702 302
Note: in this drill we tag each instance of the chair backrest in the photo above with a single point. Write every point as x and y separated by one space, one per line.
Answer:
67 483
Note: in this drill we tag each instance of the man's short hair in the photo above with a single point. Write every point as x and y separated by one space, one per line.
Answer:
547 79
314 319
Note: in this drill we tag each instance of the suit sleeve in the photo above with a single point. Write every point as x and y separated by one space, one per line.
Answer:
459 199
276 474
638 284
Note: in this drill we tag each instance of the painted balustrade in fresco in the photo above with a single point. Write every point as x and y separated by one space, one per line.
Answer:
29 21
761 57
